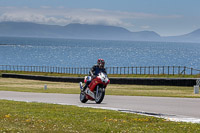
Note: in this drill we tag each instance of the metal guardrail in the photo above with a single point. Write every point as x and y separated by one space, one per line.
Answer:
142 70
131 81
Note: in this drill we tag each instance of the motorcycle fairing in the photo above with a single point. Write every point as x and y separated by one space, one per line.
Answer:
90 93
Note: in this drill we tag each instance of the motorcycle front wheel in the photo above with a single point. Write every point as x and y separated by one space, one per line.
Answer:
99 95
83 97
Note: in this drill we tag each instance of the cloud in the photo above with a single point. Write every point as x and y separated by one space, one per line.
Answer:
45 7
64 16
145 27
31 17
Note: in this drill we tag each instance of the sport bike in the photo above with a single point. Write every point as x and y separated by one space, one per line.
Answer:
96 89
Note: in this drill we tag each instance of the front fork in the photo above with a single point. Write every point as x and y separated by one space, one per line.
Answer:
97 91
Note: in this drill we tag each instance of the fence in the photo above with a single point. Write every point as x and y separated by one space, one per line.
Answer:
153 70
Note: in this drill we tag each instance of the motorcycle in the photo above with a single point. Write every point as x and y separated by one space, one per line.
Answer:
96 89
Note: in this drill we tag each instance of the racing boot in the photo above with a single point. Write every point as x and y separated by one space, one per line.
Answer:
81 86
84 87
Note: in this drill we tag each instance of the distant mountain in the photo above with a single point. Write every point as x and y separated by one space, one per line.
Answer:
195 36
73 31
24 29
146 36
86 31
190 37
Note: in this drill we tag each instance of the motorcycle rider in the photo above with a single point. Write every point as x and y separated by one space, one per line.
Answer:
95 70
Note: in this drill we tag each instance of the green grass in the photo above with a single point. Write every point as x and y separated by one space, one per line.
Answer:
156 91
73 88
111 75
12 84
39 117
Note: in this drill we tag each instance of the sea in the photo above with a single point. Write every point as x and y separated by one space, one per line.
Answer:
84 53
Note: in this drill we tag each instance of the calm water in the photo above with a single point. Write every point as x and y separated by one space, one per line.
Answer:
84 53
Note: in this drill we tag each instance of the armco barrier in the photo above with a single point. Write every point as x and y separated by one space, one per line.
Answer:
155 81
44 78
132 81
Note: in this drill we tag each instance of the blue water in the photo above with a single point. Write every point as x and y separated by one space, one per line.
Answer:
84 53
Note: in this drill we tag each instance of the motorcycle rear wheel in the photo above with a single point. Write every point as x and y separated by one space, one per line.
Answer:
101 93
83 98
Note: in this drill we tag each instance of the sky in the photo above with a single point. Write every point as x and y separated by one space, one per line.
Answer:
165 17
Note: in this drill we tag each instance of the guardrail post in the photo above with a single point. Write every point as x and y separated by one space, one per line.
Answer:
179 69
191 71
168 70
153 70
132 70
184 69
163 70
136 70
128 70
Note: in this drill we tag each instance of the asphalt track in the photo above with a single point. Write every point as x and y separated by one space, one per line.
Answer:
175 109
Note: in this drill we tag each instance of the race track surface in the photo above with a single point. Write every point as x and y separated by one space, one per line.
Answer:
176 109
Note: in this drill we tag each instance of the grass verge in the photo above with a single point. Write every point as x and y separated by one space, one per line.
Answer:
12 84
39 117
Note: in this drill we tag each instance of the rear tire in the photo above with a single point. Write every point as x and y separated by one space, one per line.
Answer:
100 97
83 97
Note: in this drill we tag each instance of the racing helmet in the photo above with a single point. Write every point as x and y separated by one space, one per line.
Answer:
101 63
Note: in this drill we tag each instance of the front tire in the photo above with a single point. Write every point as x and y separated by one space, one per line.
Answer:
99 96
83 98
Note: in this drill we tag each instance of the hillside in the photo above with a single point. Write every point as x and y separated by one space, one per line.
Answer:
85 31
